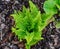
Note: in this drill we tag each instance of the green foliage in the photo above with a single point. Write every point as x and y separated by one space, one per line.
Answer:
50 6
29 24
58 4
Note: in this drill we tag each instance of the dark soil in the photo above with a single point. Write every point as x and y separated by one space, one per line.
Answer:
8 40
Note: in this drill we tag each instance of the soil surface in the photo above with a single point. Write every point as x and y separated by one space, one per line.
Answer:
8 40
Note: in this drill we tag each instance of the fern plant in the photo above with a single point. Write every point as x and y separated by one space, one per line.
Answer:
29 24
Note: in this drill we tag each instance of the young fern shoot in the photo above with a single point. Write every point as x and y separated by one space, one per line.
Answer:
29 24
